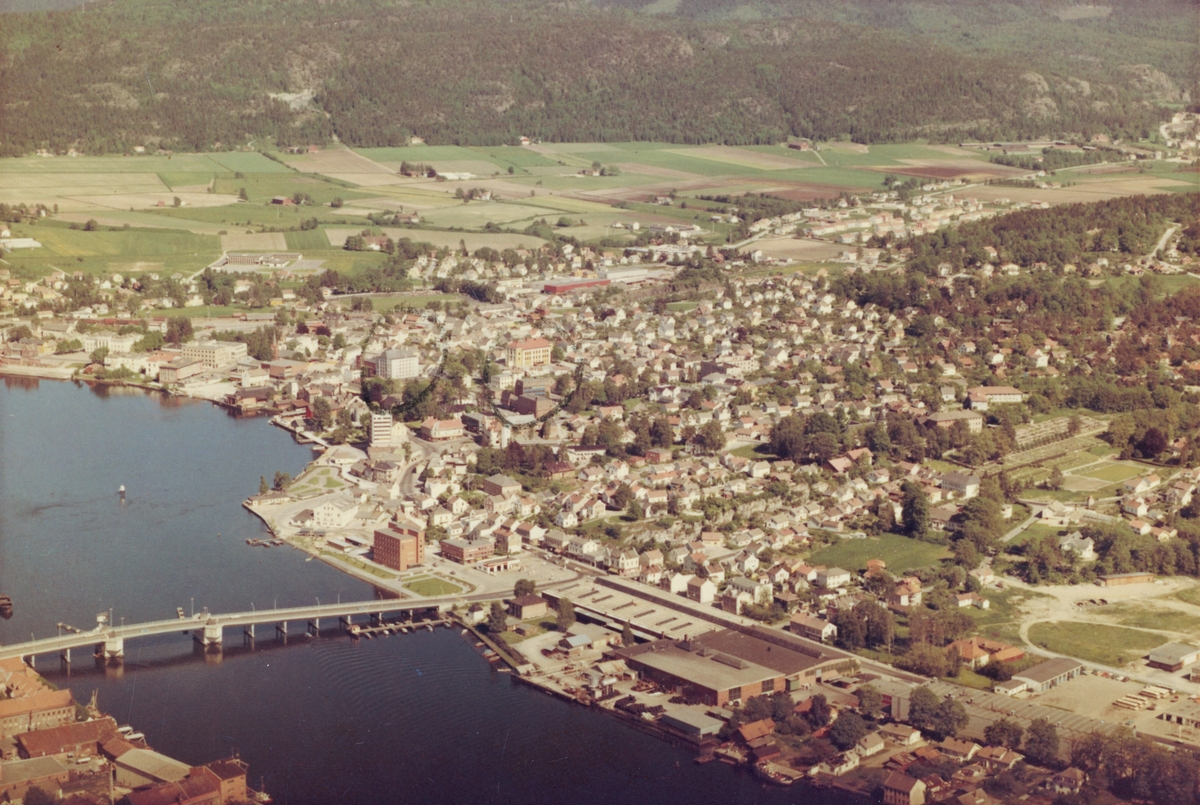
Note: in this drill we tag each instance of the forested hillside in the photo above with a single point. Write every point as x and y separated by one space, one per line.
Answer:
374 72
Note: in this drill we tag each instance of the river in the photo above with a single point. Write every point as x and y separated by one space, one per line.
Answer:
412 718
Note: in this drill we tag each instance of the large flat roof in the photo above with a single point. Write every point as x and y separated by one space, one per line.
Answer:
38 768
155 765
1173 653
1043 672
781 659
707 668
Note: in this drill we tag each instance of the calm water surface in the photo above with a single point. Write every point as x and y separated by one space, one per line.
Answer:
412 719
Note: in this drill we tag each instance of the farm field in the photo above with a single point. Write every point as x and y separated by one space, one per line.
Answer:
1098 190
122 250
120 182
900 553
544 183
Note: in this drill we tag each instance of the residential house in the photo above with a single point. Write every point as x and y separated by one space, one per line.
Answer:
900 789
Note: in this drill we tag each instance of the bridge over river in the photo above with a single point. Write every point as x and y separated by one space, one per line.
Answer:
208 628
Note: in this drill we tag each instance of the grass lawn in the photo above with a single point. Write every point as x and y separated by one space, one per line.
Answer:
381 303
1034 531
970 679
1114 473
358 563
1189 596
432 586
900 553
755 451
1108 645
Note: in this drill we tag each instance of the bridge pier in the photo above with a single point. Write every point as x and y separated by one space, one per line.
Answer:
212 635
65 656
114 648
31 661
314 627
376 618
248 630
346 621
281 630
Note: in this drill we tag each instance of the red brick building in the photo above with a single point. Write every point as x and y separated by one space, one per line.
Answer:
400 545
43 710
466 553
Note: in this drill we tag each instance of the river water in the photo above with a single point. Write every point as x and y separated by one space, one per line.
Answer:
412 718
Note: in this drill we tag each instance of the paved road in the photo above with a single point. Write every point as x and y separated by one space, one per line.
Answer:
1012 534
1162 242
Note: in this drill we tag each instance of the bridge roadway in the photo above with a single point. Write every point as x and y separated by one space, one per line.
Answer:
210 626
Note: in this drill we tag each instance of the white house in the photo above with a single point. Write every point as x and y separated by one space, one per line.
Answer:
334 513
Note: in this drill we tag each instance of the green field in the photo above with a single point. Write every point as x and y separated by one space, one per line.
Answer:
61 241
103 251
381 303
1115 473
176 163
261 187
1107 645
901 553
432 586
307 240
1034 531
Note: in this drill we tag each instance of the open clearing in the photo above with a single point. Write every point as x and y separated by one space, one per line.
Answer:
798 249
1138 617
900 553
1107 645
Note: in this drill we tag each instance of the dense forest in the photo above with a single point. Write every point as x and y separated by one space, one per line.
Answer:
214 73
1120 230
